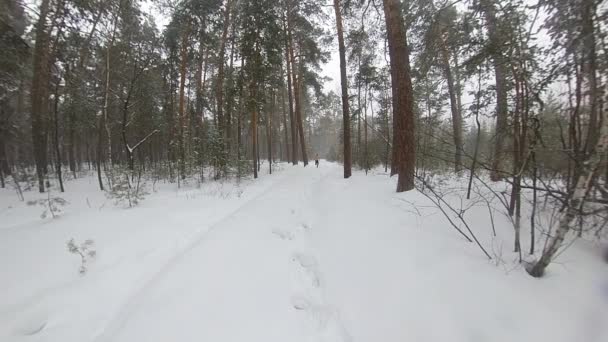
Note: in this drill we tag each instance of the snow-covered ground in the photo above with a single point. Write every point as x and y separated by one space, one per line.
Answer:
300 255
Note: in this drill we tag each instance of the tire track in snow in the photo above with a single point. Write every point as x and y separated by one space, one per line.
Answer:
134 300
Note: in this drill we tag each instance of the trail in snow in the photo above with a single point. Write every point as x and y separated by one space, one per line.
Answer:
307 257
279 280
133 301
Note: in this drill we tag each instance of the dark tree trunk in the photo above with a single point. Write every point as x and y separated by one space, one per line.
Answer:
478 138
344 86
269 132
404 153
4 168
98 155
254 128
297 88
230 102
58 160
285 129
456 118
39 93
500 74
588 37
294 135
182 105
219 94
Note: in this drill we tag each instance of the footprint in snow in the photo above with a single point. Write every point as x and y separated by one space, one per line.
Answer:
300 302
308 264
32 327
283 234
325 321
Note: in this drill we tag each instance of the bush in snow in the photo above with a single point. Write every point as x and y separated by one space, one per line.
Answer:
124 190
84 250
51 205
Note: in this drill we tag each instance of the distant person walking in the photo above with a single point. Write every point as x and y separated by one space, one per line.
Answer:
317 160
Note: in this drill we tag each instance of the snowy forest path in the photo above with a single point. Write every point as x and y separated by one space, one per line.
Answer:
243 269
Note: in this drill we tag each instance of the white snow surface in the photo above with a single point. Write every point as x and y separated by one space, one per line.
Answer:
299 255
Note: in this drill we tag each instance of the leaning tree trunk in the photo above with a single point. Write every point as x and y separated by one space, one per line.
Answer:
404 154
583 185
39 93
344 86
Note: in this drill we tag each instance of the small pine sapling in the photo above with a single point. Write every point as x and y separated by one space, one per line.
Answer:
124 191
84 250
51 205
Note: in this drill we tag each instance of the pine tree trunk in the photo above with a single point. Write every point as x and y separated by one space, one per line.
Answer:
297 84
230 104
294 135
182 109
254 128
4 168
366 151
501 89
105 117
99 152
269 132
58 160
404 153
220 79
39 93
588 37
358 162
285 129
456 118
344 87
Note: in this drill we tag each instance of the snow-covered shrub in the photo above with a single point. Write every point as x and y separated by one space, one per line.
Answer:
50 205
126 191
85 250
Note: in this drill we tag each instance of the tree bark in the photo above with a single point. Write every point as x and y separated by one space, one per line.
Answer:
500 74
404 153
285 128
182 110
254 127
344 86
456 118
39 93
219 94
297 87
294 135
58 160
269 115
583 185
588 37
